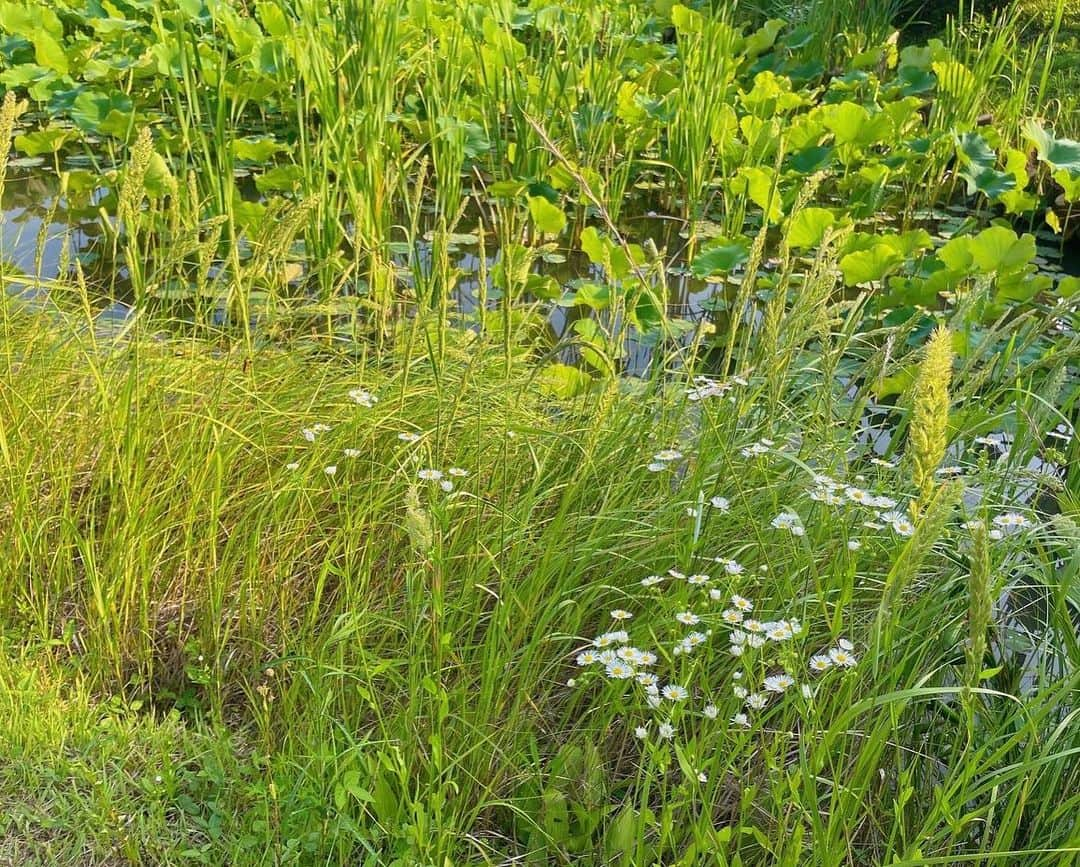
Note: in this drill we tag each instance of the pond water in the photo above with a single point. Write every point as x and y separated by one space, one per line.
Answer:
36 223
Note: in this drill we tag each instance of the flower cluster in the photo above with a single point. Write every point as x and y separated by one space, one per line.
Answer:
447 484
748 638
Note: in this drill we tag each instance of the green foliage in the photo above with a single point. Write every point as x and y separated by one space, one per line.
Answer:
444 328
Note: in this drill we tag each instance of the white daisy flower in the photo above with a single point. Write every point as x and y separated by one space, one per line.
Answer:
607 639
651 581
430 475
666 731
363 397
842 657
666 455
787 521
1011 521
674 692
292 466
779 682
458 472
330 470
720 503
857 495
352 453
756 701
688 618
819 663
641 733
710 711
620 614
903 527
409 437
780 631
619 670
741 719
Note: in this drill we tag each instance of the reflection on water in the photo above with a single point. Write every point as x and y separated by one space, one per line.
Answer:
36 222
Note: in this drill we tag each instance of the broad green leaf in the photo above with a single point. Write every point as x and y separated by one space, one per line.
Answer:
990 182
956 253
43 141
954 78
898 383
1022 286
621 836
808 227
287 177
811 159
770 94
720 257
1018 201
999 249
94 111
565 382
915 80
909 243
509 189
256 149
852 124
593 345
273 18
548 217
763 38
868 266
973 150
1058 153
759 184
686 20
49 53
1070 185
595 246
1067 287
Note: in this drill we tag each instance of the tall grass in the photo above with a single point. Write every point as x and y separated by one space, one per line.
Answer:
400 655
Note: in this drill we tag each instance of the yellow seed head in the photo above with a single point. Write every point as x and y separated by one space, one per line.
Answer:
930 413
9 113
418 522
134 184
